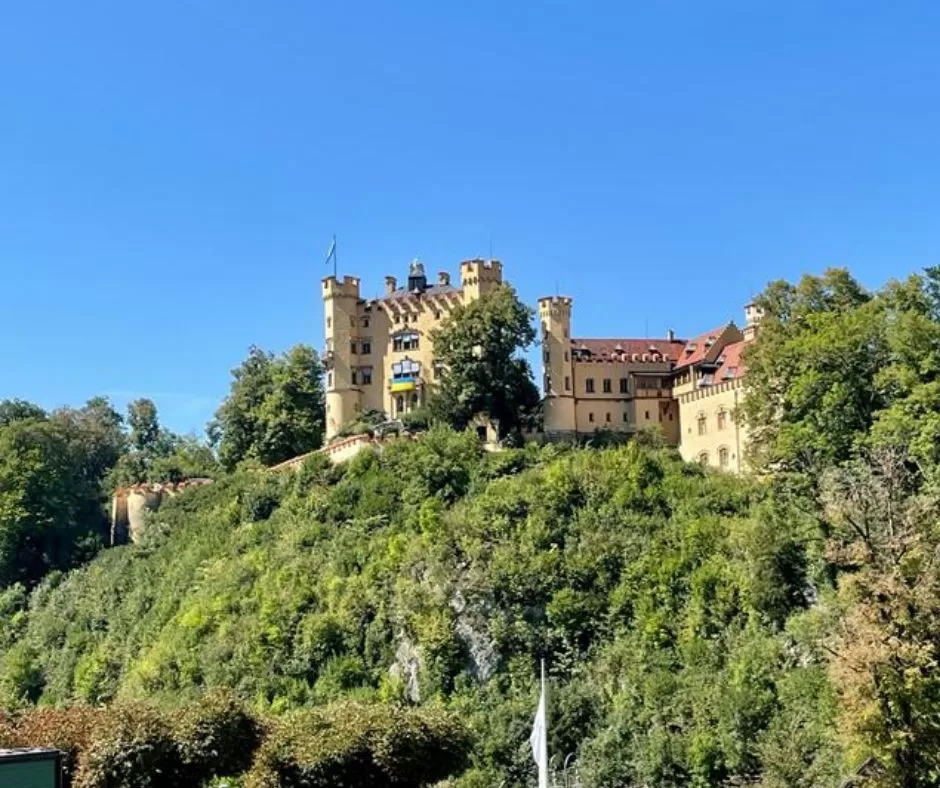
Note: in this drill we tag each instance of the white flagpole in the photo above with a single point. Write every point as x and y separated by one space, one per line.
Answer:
539 738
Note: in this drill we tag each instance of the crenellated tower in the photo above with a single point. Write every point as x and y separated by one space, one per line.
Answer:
478 277
557 372
341 315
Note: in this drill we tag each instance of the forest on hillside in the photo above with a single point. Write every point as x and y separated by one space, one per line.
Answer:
698 629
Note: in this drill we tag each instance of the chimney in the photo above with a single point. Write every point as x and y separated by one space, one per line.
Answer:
671 335
391 283
443 278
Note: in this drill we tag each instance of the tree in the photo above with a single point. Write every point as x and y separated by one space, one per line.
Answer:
885 647
811 379
478 346
50 509
144 424
274 410
19 410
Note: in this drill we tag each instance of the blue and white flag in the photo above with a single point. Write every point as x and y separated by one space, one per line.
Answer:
332 251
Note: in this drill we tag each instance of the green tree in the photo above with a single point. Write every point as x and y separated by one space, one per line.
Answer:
274 410
50 508
811 380
479 347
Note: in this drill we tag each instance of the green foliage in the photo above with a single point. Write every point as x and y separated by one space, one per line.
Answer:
274 410
436 573
365 745
478 346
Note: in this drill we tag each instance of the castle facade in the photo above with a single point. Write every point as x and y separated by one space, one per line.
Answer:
379 356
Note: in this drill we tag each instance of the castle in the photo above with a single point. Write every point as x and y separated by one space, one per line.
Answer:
379 356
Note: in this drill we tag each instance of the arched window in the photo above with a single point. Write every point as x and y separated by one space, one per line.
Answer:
703 458
399 404
723 457
702 423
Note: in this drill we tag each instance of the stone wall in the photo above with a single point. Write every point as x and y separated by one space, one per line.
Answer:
130 505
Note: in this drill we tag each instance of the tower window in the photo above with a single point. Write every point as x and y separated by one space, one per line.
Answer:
354 377
329 380
352 347
608 418
566 355
366 376
365 322
624 385
607 387
589 385
647 415
591 417
329 322
626 417
567 383
366 347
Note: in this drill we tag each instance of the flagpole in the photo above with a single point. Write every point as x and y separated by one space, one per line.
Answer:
335 258
544 764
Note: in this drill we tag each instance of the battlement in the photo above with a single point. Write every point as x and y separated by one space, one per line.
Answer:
547 302
479 270
349 287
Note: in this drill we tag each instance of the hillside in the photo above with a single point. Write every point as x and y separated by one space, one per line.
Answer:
668 603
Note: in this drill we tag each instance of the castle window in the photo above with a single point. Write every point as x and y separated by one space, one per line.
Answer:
352 347
607 387
702 424
354 377
670 415
566 355
397 317
703 458
399 404
608 417
545 358
437 315
567 383
626 417
329 380
647 415
589 385
722 419
406 340
366 347
591 417
723 457
624 386
366 373
365 322
329 322
437 369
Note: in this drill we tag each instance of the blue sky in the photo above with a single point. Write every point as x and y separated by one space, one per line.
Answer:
171 173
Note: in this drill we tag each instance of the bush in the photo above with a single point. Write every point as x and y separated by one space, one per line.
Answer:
362 745
216 735
259 501
69 730
131 747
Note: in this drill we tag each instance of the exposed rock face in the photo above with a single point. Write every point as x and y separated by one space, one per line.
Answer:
130 505
472 630
406 667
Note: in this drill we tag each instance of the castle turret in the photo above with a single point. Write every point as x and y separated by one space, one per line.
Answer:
752 316
557 374
478 277
340 356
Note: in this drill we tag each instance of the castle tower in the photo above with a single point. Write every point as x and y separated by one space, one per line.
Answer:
341 311
557 372
478 277
752 316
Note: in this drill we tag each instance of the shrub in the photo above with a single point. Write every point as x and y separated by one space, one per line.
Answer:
216 735
363 745
69 730
131 747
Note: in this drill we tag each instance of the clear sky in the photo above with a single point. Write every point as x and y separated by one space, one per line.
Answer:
171 172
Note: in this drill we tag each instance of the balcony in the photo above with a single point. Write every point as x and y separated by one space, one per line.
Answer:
404 383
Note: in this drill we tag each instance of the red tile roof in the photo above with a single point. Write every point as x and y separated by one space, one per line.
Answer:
606 349
732 365
693 355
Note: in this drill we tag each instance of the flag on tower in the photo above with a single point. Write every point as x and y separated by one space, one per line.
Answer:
331 254
539 737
